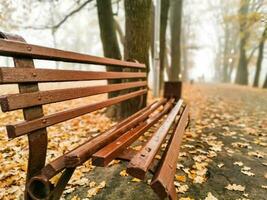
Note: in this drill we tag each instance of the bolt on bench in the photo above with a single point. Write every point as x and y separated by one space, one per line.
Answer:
111 144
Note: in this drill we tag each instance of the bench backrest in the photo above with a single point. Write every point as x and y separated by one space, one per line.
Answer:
30 99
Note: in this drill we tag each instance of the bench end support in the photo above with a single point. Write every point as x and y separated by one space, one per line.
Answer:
173 89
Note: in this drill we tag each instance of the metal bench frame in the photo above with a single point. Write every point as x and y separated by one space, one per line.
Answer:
109 145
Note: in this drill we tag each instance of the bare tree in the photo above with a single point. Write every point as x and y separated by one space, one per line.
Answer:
242 70
249 16
260 58
165 4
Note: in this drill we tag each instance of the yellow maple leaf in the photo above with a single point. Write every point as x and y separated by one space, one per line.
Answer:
180 178
124 173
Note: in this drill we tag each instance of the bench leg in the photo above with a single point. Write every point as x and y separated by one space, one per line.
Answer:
38 139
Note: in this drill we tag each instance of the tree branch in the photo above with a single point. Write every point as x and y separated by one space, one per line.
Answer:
120 32
56 26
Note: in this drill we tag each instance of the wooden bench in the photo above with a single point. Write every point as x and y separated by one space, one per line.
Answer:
111 144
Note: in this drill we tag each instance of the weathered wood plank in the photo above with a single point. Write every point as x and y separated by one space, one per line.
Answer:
19 49
17 101
25 127
112 150
84 151
163 181
26 75
141 162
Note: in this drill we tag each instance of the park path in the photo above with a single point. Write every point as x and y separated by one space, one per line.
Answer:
223 155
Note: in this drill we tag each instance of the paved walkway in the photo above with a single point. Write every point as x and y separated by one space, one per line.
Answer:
224 154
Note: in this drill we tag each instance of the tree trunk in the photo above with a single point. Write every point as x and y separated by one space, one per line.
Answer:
226 54
265 82
218 63
165 4
234 56
231 68
185 54
242 69
137 43
110 44
176 22
260 58
152 31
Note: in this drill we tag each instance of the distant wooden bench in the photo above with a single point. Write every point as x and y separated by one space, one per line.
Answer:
111 144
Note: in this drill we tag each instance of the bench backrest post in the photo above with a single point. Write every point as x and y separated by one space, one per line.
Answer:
173 89
37 139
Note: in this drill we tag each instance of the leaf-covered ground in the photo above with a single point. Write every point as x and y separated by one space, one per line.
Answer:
223 155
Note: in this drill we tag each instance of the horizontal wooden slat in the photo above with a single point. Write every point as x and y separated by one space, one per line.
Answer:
162 183
10 75
112 150
18 101
25 127
141 162
18 49
84 151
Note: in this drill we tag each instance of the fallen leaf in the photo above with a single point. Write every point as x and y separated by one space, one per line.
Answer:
182 189
114 162
247 173
75 198
235 187
92 192
220 165
210 197
180 178
256 154
240 164
124 173
136 180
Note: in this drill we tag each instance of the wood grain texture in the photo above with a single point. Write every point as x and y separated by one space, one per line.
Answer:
163 181
17 101
25 127
112 150
25 75
141 162
19 49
